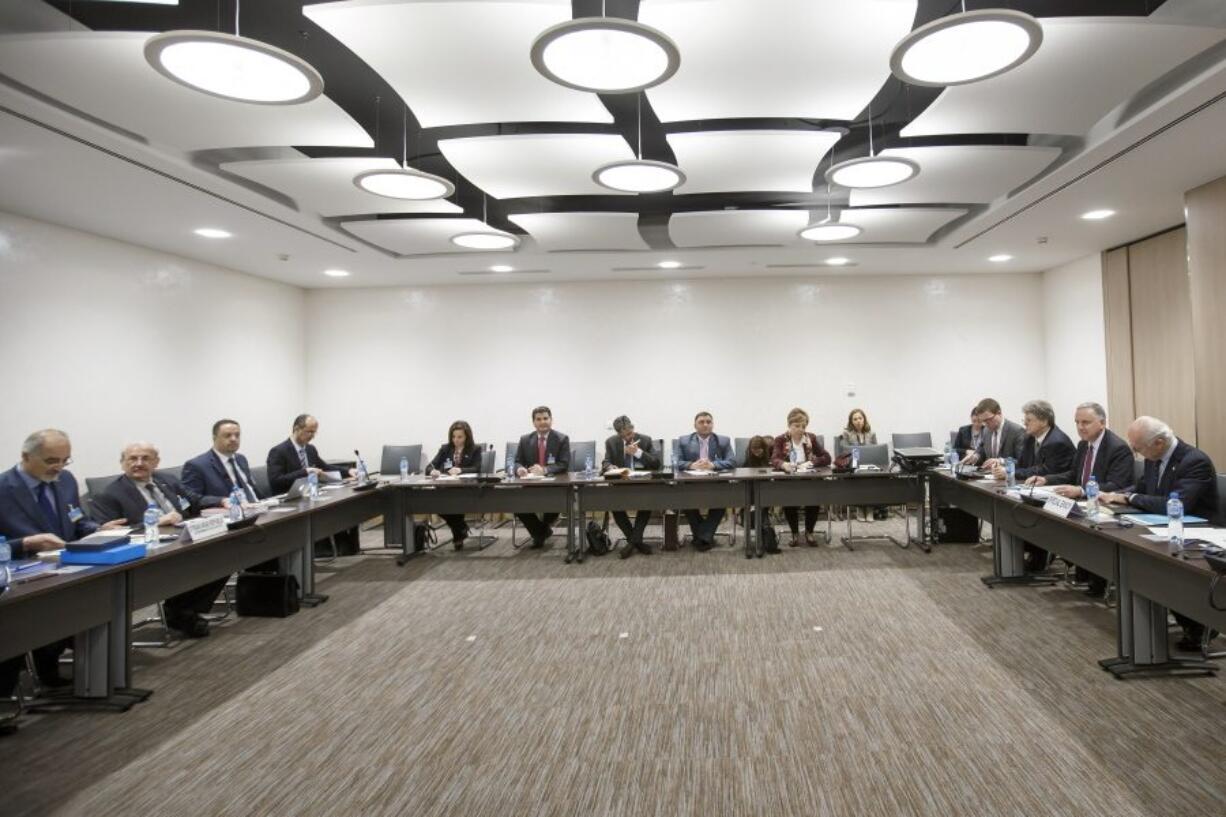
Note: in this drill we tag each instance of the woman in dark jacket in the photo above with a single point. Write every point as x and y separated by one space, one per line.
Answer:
798 450
458 456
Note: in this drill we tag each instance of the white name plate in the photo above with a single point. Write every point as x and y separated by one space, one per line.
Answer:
205 527
1060 506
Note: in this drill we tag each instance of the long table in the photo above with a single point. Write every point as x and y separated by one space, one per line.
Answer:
1149 580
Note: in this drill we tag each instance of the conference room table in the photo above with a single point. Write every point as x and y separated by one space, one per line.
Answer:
95 605
1149 579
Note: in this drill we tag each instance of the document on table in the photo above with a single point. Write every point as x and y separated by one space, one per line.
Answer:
1216 536
105 535
694 473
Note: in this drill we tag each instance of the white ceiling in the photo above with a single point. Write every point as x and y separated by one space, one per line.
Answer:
793 58
459 62
59 166
104 75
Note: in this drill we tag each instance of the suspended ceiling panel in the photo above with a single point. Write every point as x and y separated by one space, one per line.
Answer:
105 75
325 186
460 62
783 58
730 228
550 164
559 232
972 174
1084 69
898 225
746 161
417 236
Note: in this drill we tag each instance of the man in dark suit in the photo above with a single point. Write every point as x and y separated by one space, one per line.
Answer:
704 450
967 439
40 509
129 497
628 450
1101 454
295 458
215 473
544 452
1045 449
1171 466
1001 438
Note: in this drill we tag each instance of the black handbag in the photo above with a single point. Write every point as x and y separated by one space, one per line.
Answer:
770 540
266 595
598 543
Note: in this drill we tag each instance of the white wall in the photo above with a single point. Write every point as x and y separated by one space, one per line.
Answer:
1074 337
113 342
914 350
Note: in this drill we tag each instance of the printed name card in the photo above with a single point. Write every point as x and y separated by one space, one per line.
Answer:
205 527
1060 506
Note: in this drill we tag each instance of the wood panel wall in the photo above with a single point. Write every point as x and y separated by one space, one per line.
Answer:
1117 315
1206 215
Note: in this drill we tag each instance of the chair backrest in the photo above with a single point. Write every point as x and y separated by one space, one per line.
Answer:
666 456
921 439
878 455
175 473
95 486
259 478
488 455
1138 470
579 452
953 438
740 450
389 463
1221 500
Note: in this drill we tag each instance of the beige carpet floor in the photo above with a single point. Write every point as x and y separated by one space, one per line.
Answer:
816 682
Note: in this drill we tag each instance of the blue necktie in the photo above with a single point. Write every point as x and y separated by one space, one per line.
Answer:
47 506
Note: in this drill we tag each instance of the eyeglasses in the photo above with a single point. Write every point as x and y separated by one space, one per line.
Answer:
51 462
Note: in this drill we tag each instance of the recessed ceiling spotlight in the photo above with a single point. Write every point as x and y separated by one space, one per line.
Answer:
1097 215
872 171
639 176
966 47
409 184
605 54
829 231
486 240
502 268
233 67
212 232
1000 258
669 264
336 273
838 261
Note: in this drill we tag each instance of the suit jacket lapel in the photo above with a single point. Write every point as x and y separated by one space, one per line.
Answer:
22 498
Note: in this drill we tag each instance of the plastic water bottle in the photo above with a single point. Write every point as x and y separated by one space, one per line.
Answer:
855 457
404 469
587 466
1092 497
313 485
1010 473
152 517
363 476
6 556
1174 513
236 505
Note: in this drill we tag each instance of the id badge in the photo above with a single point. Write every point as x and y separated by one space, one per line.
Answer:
551 460
184 504
75 514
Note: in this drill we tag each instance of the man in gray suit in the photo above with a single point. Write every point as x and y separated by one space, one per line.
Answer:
704 450
628 450
1000 440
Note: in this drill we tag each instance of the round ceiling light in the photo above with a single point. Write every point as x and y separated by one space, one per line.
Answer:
829 231
872 171
639 176
486 240
606 55
966 47
412 185
235 68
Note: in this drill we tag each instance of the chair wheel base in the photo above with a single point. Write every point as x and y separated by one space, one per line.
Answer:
1027 580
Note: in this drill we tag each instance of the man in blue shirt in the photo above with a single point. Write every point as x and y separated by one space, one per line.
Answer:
704 450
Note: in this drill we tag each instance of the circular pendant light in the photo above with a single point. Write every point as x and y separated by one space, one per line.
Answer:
489 239
639 176
232 67
825 231
607 55
872 171
407 184
966 47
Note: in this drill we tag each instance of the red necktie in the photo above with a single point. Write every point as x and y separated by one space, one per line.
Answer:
1089 465
540 451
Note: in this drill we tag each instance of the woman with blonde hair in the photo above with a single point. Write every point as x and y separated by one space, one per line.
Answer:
797 450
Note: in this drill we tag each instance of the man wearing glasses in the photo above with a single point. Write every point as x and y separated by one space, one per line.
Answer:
40 509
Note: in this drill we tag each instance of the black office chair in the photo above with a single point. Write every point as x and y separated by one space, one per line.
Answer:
175 473
740 450
878 455
389 462
259 480
1221 519
1138 470
579 452
921 439
98 485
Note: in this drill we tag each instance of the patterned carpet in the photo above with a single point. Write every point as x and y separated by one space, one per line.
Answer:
816 682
